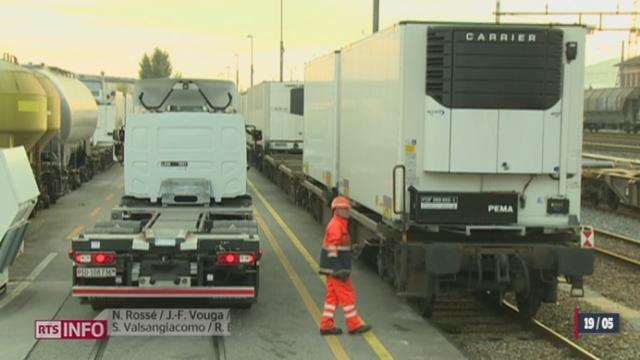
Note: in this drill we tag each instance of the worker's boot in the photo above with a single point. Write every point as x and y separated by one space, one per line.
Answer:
361 330
332 331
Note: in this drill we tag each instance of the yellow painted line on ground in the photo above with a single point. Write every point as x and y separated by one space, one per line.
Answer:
296 242
75 232
334 343
96 211
109 197
373 341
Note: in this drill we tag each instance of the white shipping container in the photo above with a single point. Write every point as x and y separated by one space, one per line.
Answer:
242 100
18 188
321 103
268 109
19 194
482 121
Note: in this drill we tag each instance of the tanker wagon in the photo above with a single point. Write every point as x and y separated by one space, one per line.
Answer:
459 146
70 151
47 174
28 116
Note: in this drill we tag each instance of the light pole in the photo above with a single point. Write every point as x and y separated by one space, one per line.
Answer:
281 42
376 15
251 38
237 72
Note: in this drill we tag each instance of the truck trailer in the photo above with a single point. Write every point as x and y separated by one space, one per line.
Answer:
184 227
267 111
19 194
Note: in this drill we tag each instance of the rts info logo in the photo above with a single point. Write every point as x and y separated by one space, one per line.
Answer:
71 329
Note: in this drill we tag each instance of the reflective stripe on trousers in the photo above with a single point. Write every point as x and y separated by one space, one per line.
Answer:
340 293
329 311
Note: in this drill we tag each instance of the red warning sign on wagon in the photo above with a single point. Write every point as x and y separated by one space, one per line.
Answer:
587 237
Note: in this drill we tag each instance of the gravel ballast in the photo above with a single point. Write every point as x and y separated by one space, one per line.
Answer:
559 317
611 221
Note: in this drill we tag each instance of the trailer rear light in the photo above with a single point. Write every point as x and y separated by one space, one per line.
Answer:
96 258
247 259
235 258
103 258
230 258
83 258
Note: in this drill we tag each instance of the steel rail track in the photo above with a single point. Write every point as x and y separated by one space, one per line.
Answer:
615 138
556 337
612 147
219 348
98 349
615 255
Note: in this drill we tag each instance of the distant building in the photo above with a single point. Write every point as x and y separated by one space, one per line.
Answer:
603 74
629 72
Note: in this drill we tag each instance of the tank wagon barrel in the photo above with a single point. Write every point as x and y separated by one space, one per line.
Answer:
23 107
463 177
70 151
30 107
612 108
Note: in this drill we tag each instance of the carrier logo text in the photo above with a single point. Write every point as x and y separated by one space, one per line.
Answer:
501 37
500 209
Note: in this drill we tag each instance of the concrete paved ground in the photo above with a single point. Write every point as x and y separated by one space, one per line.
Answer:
283 324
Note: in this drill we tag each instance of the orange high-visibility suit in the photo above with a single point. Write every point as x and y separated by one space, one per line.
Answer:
335 262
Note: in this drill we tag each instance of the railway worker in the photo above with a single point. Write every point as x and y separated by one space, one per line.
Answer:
335 262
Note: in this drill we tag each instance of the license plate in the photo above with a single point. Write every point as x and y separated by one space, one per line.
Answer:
95 272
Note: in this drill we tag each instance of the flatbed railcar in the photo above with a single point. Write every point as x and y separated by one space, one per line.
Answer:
463 165
611 182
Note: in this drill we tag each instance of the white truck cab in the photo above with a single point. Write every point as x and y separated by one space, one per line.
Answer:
184 227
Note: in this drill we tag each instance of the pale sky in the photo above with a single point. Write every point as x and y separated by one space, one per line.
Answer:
202 36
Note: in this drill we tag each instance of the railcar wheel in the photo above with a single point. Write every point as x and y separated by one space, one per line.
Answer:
612 200
382 271
529 302
243 305
426 305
